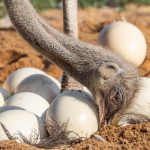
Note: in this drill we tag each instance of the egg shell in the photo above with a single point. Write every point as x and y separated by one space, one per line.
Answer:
19 75
3 135
43 85
125 39
4 92
6 108
23 124
30 102
58 83
3 95
85 89
78 110
1 100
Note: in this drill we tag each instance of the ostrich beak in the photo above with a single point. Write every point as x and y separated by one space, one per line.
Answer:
102 113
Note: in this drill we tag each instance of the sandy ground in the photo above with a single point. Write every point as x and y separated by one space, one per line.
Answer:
15 53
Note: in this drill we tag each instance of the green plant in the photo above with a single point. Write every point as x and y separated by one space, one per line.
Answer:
45 4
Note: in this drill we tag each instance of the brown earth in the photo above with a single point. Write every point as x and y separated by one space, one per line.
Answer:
15 53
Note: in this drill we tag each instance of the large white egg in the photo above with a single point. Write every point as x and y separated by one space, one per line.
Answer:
125 39
3 135
22 125
40 84
139 105
78 110
30 102
19 75
3 95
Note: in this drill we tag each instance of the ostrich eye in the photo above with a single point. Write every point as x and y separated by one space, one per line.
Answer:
116 96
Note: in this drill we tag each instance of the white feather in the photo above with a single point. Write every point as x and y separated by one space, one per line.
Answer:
140 105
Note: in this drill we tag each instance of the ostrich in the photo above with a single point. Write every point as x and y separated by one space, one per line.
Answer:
112 81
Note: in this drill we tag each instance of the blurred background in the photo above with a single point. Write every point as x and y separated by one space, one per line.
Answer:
41 5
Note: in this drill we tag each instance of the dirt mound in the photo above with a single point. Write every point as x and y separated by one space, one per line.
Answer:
15 54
